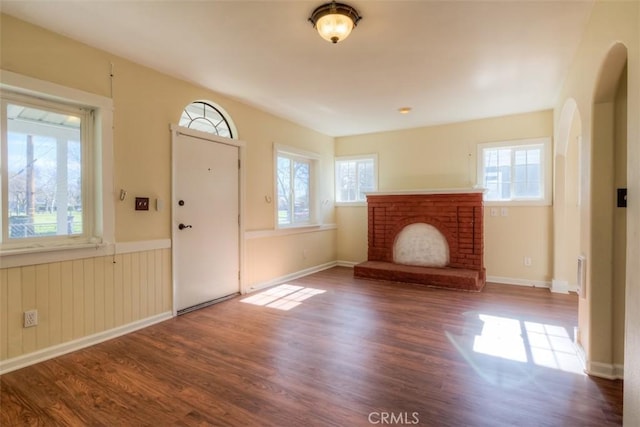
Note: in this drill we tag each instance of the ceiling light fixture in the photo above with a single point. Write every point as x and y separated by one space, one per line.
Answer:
334 21
404 110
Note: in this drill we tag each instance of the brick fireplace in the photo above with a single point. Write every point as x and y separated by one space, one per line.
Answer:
433 238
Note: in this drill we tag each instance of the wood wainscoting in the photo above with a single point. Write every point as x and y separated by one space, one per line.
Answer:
331 350
79 299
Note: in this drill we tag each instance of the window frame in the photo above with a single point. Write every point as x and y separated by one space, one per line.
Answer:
314 166
357 158
545 173
86 143
97 158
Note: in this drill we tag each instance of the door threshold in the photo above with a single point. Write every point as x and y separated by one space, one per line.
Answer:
206 304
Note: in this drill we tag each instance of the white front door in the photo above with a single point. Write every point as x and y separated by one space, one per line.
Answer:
206 231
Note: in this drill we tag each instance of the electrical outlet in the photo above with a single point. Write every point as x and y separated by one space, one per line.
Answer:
527 261
30 318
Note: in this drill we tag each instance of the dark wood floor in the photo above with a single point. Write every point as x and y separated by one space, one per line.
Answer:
360 353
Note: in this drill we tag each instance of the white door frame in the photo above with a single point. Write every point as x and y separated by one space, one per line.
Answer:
178 130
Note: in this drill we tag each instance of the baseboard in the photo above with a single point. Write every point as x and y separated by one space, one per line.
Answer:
292 276
518 282
559 286
582 355
349 264
80 343
563 287
597 369
605 370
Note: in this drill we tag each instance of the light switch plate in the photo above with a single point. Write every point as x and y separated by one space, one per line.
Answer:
142 203
622 198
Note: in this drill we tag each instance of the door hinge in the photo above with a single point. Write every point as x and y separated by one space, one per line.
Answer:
238 163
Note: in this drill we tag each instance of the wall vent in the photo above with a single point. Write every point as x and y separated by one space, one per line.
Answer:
581 283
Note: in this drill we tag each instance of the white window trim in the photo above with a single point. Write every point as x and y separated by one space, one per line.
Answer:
101 190
314 204
546 170
374 157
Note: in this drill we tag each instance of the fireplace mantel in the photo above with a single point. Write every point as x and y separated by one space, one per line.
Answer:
457 213
427 191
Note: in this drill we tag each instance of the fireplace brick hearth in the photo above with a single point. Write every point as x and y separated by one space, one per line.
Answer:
457 214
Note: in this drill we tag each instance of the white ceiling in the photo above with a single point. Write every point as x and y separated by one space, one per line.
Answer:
450 61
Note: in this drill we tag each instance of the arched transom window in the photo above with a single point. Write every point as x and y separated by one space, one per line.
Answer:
203 116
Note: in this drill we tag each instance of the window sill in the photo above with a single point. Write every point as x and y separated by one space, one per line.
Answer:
285 231
298 226
350 204
524 203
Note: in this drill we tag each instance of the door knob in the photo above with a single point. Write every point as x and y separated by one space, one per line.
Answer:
182 226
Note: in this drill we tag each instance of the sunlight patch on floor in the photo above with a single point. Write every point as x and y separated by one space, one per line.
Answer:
524 341
551 346
500 337
282 297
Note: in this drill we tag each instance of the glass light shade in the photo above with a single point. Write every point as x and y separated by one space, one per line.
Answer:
334 27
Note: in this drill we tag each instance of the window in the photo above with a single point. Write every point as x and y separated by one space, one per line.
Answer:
295 172
203 116
55 157
355 176
516 171
44 169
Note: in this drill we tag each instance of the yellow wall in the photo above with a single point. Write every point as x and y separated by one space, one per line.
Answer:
146 102
572 203
566 211
566 208
289 253
526 231
619 219
600 291
445 157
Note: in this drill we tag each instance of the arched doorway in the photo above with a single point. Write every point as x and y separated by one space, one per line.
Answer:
606 248
566 200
